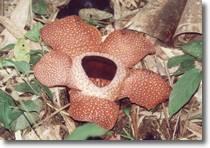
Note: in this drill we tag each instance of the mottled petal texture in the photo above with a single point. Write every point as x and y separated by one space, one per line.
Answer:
53 69
129 46
71 35
92 109
145 88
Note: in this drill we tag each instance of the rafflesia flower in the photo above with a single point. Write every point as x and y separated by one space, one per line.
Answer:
98 73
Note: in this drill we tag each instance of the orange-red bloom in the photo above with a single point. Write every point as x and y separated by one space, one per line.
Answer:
99 72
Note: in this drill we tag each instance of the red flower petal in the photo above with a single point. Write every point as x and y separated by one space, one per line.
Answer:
145 88
53 69
92 109
71 35
127 45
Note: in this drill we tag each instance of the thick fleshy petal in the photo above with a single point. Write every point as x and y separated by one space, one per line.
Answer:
127 45
71 35
53 69
145 88
92 109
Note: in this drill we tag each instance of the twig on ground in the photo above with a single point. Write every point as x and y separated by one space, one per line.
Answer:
52 115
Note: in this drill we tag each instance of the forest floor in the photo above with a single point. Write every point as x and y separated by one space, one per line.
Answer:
51 120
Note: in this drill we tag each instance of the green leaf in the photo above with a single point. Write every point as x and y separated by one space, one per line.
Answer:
34 33
36 51
6 63
21 51
4 97
26 88
39 7
4 110
85 131
34 87
24 121
31 105
194 48
13 118
8 112
36 55
45 89
22 67
185 66
127 112
9 46
177 60
183 90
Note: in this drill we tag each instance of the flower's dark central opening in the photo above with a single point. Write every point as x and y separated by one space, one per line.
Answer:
100 70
